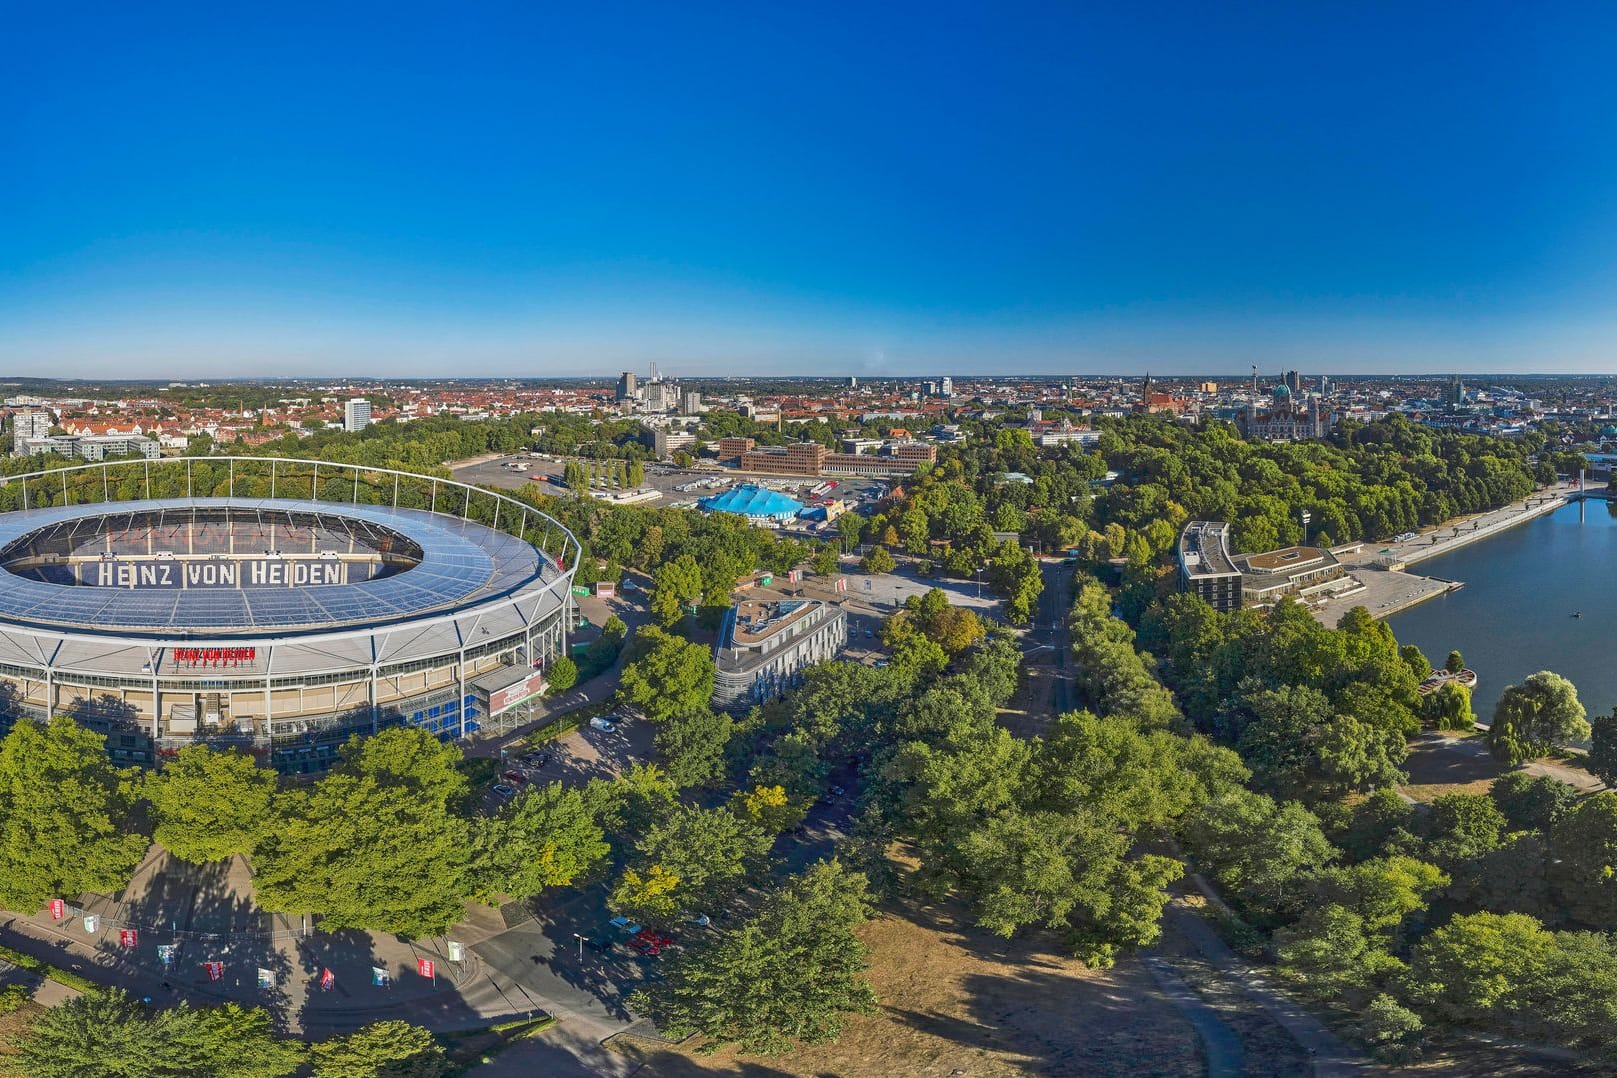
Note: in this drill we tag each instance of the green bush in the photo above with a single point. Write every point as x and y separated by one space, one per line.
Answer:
12 998
45 969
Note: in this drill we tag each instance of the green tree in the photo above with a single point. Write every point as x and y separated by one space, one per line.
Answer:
670 676
1449 708
545 837
106 1033
1393 1033
1602 758
878 561
767 808
676 585
709 851
1463 971
67 822
376 843
636 476
1257 848
1454 663
561 676
788 975
1536 718
826 562
692 746
210 804
1583 850
1532 802
389 1049
1460 828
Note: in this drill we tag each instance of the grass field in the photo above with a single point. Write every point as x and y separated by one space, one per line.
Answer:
958 1001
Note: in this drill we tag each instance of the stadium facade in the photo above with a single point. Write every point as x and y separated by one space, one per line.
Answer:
278 605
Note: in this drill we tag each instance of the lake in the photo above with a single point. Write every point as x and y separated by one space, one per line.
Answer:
1514 615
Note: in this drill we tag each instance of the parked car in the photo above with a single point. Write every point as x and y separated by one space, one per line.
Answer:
651 943
606 726
515 777
624 924
504 791
602 945
700 920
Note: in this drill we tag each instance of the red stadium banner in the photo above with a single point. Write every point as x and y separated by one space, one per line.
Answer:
58 909
425 967
127 937
327 979
215 970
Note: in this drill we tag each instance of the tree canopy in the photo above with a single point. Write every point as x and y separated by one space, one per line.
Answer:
210 804
67 816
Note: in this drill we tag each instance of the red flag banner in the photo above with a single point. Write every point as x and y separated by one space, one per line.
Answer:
327 979
58 909
215 970
127 937
424 967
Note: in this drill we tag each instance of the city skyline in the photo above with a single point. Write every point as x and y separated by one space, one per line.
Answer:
532 193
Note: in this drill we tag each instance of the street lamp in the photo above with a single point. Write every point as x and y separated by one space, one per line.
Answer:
581 940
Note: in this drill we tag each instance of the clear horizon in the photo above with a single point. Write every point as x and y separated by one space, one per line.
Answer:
194 193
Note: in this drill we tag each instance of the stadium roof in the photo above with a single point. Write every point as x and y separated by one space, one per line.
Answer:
752 501
462 563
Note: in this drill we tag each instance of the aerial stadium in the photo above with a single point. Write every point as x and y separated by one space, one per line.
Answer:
277 605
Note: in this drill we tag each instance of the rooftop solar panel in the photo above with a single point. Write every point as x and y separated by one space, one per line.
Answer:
461 563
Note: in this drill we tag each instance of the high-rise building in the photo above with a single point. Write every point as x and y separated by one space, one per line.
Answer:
27 424
853 381
690 402
946 386
626 386
1454 396
356 414
1294 382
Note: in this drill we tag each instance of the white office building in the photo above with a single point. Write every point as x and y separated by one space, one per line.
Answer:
356 414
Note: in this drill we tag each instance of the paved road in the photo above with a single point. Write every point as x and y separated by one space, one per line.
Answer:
1332 1056
1225 1057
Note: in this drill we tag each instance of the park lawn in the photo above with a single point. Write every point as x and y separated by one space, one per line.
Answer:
1431 791
956 1000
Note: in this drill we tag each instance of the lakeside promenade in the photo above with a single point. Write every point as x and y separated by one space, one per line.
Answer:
1382 568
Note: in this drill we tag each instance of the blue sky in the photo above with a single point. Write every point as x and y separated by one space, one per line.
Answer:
532 189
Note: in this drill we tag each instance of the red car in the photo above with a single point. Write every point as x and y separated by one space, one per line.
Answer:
514 776
650 943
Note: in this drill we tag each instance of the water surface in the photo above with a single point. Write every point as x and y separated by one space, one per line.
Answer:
1515 614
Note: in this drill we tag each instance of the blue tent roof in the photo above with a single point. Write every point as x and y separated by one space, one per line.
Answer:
752 501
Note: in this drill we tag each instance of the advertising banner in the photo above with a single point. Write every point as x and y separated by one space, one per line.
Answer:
425 967
127 937
215 970
58 909
503 700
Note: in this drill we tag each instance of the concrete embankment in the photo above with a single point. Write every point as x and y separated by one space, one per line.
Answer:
1383 569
